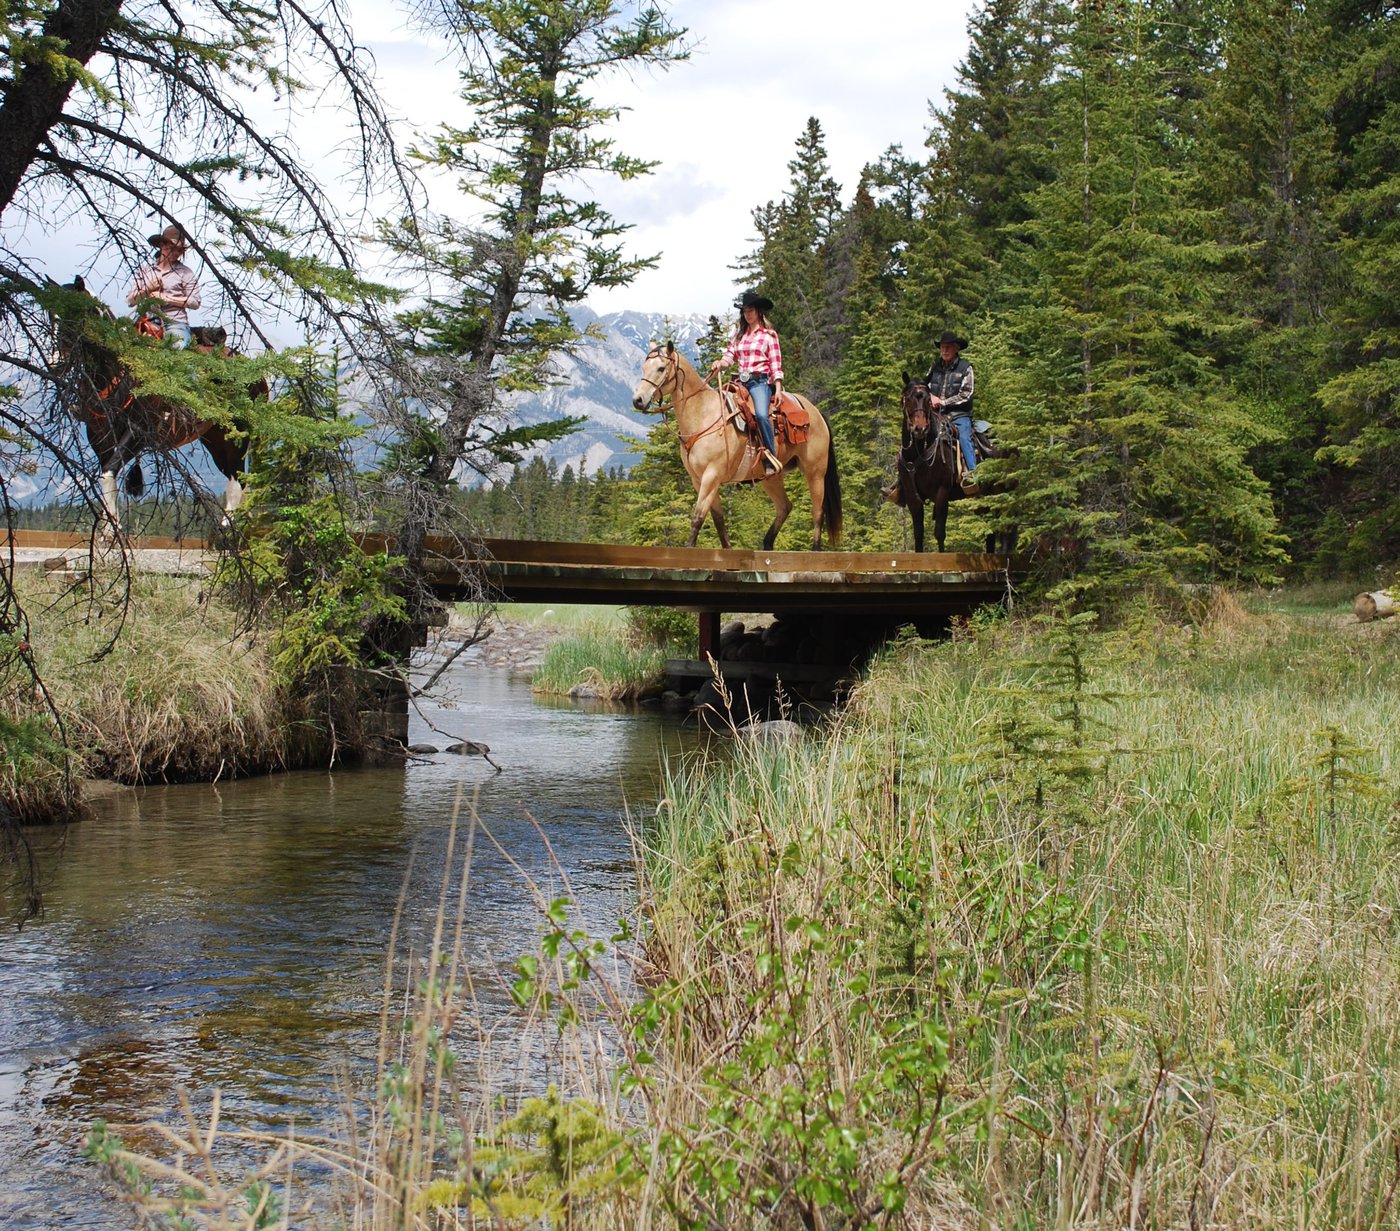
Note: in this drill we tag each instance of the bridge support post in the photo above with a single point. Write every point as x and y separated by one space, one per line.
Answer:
709 634
383 717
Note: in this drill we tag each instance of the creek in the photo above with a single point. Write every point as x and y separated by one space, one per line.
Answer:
234 937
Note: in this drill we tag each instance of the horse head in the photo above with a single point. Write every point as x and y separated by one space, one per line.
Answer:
918 408
73 308
660 370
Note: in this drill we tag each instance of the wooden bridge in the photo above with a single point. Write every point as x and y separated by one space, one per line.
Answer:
887 586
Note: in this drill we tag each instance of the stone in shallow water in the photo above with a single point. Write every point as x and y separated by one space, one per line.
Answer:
422 750
468 748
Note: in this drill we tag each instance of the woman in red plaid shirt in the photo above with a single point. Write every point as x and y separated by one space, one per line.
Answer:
755 348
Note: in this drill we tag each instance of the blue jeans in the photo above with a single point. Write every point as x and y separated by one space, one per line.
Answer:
762 393
962 424
177 334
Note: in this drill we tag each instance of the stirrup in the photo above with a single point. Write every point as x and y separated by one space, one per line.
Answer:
771 464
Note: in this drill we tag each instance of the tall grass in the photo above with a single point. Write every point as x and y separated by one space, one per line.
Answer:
1162 942
606 663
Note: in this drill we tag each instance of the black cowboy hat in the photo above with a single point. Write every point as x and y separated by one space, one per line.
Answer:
175 234
950 336
752 299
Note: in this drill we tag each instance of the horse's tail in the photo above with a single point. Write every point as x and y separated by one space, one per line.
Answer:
135 481
831 498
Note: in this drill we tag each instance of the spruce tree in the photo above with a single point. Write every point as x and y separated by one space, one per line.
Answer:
1130 452
1362 401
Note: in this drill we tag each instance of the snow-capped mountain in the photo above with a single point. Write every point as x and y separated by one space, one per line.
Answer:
597 384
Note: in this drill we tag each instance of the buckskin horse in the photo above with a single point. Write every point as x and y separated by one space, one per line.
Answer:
715 451
928 467
122 423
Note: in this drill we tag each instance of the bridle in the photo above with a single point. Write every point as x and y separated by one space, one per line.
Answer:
672 377
929 443
673 364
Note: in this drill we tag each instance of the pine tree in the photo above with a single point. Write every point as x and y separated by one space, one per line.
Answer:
993 137
866 431
1129 448
540 247
1362 402
1266 154
787 260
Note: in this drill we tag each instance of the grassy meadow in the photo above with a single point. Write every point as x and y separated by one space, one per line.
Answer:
1050 928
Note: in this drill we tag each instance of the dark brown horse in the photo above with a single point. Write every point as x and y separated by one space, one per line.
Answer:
928 467
121 422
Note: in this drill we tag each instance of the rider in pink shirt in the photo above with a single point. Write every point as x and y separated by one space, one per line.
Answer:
757 351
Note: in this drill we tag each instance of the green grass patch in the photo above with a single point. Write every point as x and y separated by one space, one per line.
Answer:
606 664
563 616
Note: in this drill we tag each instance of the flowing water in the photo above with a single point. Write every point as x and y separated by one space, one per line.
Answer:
234 937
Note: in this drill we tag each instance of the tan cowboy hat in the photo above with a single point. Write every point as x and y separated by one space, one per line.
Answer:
174 234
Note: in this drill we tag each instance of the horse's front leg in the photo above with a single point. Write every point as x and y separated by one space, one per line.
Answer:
706 498
717 516
782 506
940 518
916 515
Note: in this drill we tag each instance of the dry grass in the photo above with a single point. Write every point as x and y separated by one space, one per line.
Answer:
158 688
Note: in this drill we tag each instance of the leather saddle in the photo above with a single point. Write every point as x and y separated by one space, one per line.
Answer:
791 420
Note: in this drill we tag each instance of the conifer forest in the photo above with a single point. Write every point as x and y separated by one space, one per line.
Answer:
1170 230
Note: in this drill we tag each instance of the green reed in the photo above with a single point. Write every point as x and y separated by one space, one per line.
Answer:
1153 902
605 662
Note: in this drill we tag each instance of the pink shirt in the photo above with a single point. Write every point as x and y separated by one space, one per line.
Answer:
756 351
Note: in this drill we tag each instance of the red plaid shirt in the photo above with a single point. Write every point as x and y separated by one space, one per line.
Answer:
756 351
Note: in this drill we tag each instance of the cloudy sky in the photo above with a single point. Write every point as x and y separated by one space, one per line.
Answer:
723 125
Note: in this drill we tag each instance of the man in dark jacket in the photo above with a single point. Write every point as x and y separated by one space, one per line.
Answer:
950 384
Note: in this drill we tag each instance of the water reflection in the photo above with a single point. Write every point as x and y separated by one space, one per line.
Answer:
234 937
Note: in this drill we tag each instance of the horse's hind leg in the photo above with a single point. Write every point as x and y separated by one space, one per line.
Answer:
782 506
228 457
111 499
816 488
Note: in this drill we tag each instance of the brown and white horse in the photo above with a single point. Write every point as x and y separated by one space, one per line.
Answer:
716 452
121 422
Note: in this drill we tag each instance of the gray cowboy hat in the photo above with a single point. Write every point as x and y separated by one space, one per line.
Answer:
175 234
950 336
752 299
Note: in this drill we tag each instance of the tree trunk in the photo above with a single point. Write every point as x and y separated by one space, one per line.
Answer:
34 102
1377 605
